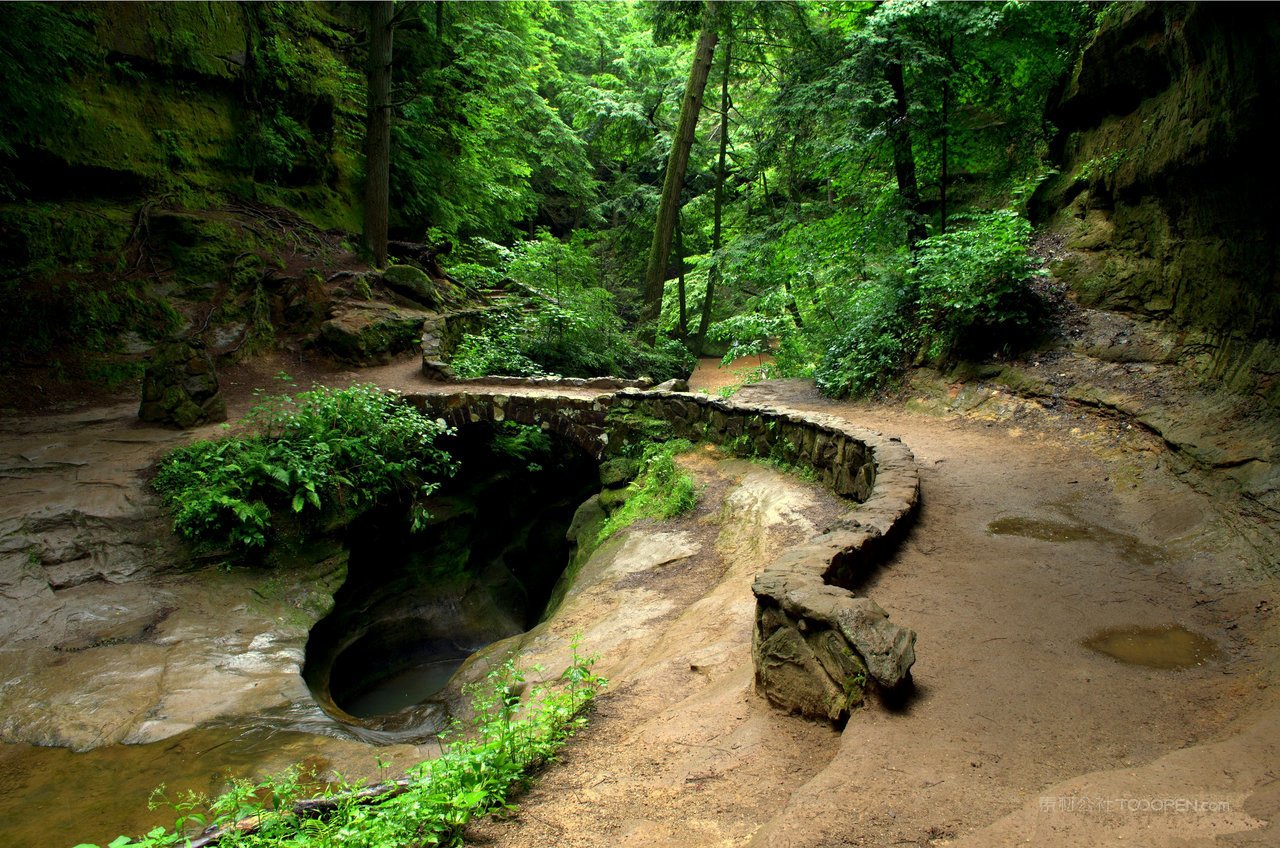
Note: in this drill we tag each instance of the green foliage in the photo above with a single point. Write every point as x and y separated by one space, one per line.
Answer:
968 292
574 330
662 489
871 349
525 442
323 454
973 285
305 104
1103 166
481 763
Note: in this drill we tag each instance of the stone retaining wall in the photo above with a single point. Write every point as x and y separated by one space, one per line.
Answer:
817 646
581 420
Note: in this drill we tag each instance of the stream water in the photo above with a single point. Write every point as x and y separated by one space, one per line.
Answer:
57 797
413 608
404 689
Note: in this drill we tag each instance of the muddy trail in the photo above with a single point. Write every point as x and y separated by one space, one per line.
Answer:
1032 545
1041 544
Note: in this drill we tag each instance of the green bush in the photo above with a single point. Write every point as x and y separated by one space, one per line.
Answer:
323 454
572 327
967 293
871 350
974 293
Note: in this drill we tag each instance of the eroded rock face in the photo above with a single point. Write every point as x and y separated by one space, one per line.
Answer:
180 387
1162 203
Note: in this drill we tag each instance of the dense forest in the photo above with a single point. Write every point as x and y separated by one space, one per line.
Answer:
1036 242
843 183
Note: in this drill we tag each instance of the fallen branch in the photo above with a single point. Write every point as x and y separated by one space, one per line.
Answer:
307 808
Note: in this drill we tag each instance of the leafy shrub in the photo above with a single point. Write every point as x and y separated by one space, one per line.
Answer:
572 328
871 349
322 454
662 489
974 288
967 293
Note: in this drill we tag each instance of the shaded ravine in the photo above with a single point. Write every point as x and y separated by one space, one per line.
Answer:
1009 703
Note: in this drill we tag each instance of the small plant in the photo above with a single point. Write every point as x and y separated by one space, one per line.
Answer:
662 489
1103 166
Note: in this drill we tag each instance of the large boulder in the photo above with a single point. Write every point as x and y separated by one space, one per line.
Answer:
412 283
370 332
180 387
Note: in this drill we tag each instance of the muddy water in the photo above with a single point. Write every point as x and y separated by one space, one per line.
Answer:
1168 647
405 689
1126 547
56 797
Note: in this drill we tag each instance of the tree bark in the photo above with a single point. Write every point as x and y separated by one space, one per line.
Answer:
377 186
713 273
660 250
944 175
904 161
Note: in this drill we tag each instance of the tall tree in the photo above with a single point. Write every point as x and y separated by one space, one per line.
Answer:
717 212
378 132
904 160
677 162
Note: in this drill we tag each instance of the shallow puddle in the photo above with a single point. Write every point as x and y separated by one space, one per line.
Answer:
1126 547
1045 531
1169 646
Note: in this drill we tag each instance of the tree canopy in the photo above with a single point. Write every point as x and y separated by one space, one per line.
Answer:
838 146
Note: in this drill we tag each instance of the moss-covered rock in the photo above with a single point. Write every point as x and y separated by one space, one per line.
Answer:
370 332
180 387
412 283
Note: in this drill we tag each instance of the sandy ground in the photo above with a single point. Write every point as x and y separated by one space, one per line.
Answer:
1016 732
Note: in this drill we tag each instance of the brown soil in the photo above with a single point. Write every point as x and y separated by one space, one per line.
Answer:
1015 731
711 376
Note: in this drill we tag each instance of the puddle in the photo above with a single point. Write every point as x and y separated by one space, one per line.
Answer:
1127 547
1165 647
1045 531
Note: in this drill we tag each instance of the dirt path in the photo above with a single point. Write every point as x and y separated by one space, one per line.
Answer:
1016 731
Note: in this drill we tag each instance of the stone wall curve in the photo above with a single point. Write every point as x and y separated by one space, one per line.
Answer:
817 645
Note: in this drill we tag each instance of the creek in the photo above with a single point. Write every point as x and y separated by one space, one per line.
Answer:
412 609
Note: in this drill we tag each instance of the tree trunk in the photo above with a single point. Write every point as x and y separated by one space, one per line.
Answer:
713 273
904 161
660 251
377 184
944 176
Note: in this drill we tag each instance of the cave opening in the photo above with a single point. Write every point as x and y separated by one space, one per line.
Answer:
416 605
